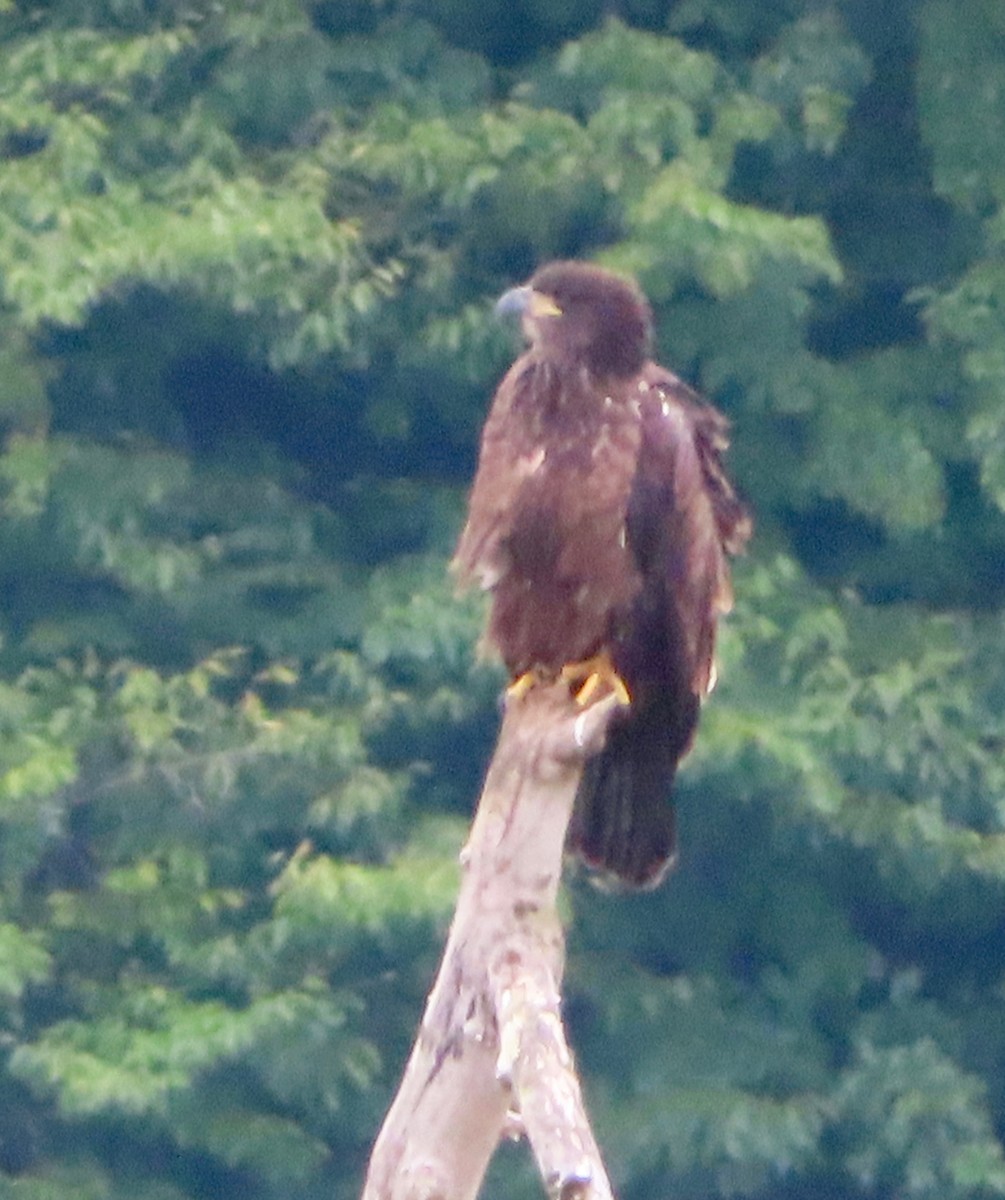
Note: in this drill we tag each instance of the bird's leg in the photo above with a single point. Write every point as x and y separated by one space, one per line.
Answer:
593 675
523 683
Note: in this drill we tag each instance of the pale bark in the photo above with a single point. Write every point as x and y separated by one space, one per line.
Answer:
491 1059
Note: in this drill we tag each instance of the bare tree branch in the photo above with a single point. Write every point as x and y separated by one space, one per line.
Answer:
491 1057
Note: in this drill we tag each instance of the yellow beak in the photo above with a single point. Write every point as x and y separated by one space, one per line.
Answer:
528 303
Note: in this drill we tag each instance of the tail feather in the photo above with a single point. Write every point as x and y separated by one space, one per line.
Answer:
623 823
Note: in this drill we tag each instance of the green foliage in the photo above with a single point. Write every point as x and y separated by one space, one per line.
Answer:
936 1140
247 260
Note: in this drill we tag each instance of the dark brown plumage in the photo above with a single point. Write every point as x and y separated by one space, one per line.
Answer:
600 520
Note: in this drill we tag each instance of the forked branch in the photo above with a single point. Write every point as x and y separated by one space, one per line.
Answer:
491 1058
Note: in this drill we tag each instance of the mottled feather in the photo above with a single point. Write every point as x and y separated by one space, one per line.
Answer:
600 520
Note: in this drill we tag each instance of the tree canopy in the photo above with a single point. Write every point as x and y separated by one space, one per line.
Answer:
248 254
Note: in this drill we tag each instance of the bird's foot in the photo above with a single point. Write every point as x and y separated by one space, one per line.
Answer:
523 683
593 676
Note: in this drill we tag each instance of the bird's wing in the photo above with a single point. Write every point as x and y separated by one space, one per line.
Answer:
507 457
684 516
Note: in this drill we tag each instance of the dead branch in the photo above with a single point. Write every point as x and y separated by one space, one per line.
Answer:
491 1059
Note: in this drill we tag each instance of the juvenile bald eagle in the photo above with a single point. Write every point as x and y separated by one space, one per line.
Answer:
600 520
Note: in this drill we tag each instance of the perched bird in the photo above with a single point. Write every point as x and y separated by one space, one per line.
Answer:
600 520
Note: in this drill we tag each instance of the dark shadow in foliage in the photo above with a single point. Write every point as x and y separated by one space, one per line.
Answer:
959 565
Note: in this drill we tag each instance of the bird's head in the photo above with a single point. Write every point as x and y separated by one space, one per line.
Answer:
581 315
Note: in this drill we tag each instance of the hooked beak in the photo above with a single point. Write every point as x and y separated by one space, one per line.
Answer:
525 302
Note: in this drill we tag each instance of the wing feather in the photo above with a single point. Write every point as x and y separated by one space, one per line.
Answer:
509 454
685 517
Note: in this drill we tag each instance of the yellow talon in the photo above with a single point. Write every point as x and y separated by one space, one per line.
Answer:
521 685
595 674
589 689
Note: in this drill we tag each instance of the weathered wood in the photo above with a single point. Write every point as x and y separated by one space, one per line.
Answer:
491 1056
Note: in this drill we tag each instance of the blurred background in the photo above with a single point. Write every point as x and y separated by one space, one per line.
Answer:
248 253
